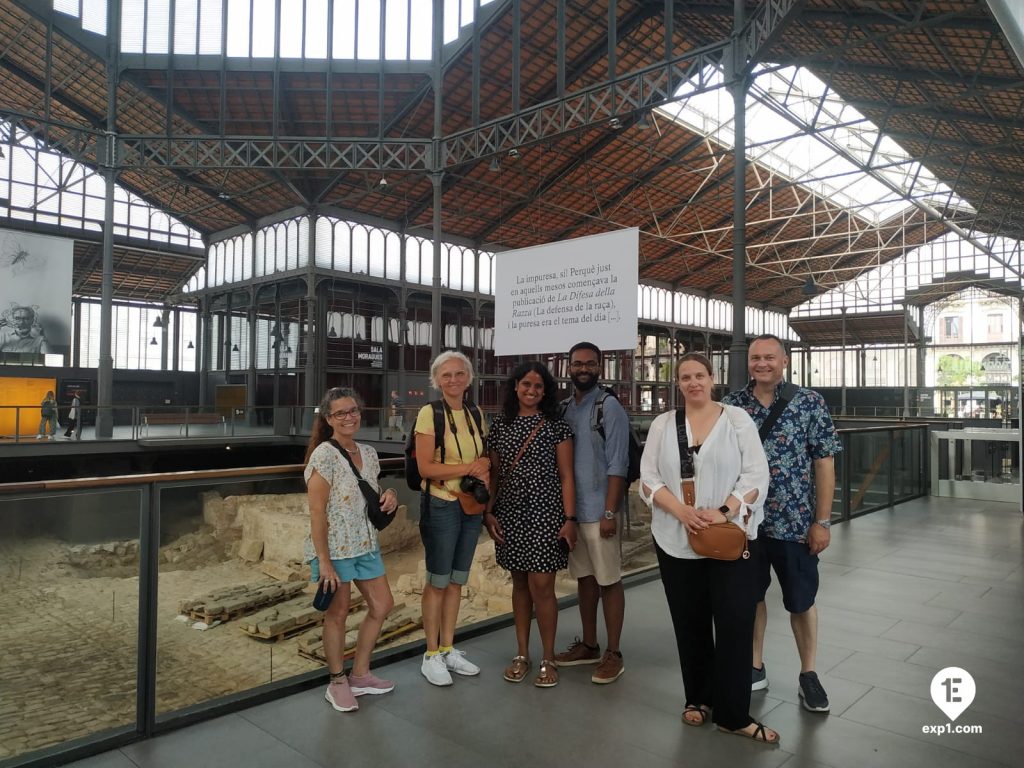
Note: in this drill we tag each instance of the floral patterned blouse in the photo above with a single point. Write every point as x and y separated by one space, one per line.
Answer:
349 533
803 433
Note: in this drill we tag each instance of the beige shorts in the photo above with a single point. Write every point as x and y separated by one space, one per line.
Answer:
597 557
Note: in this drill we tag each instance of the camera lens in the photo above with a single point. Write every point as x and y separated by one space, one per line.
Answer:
476 489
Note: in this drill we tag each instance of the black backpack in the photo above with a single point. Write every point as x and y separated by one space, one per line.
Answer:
412 470
635 448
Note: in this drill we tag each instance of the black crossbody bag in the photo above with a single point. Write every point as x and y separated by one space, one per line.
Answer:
378 517
778 407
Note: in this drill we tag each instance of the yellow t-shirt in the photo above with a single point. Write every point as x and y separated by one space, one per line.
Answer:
471 444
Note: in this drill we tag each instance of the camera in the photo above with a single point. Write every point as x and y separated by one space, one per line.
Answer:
475 488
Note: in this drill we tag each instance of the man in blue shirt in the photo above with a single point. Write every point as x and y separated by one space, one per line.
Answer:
601 459
795 528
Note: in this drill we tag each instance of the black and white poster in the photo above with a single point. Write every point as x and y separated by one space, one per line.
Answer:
35 295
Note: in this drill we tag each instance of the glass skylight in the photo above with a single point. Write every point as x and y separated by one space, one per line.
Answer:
885 287
782 105
198 27
43 186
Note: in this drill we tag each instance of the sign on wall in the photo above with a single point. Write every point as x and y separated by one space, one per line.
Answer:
548 297
35 294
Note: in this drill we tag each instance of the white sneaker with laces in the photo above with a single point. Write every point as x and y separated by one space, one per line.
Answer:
435 670
456 661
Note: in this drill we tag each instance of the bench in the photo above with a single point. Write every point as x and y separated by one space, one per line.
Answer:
181 420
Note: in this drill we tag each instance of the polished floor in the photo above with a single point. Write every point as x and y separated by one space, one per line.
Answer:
905 593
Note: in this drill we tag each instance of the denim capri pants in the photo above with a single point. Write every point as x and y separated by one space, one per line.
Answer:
449 541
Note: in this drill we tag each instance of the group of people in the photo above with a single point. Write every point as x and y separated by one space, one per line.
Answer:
547 480
48 417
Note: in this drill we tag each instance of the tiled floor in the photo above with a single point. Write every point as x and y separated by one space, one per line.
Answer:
905 593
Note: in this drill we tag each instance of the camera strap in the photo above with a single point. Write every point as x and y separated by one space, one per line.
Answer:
455 432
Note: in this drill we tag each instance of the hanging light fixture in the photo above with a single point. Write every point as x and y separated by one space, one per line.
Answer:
494 166
158 323
810 287
152 342
234 347
191 345
332 333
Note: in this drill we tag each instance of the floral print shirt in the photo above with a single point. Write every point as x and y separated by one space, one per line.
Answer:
803 433
349 533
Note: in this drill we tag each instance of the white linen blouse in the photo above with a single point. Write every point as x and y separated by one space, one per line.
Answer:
731 461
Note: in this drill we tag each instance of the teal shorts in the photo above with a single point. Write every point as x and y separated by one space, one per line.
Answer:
361 568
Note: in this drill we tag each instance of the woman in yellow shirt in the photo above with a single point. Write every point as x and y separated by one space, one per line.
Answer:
449 534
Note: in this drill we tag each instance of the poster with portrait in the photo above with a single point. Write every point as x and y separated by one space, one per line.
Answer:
35 295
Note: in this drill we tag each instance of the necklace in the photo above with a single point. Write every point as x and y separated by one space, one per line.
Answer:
351 450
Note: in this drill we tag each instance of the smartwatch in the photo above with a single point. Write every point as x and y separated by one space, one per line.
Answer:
609 515
724 509
826 524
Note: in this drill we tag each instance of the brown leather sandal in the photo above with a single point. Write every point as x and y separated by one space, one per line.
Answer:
516 671
547 675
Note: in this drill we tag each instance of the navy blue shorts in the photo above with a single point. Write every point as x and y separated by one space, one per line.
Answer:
796 568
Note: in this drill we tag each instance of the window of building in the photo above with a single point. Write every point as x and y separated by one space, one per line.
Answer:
995 326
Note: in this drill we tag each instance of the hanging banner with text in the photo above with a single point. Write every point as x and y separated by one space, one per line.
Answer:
551 296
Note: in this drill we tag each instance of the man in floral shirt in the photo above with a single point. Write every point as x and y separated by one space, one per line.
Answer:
796 522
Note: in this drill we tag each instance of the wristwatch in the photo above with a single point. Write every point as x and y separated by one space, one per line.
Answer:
826 524
724 509
609 515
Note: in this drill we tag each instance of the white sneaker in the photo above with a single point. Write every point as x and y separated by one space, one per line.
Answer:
456 661
39 437
435 670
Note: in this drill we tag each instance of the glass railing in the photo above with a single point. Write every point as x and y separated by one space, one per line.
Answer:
23 424
69 591
134 604
879 467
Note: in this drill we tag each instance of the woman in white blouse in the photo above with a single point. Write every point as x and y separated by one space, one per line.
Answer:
342 546
731 481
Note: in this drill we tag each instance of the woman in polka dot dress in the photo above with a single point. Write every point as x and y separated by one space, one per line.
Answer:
531 516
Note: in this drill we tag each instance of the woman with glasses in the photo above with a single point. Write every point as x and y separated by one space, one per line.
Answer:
449 533
342 546
711 601
532 516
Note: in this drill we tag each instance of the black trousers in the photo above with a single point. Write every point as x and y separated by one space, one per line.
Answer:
712 605
72 423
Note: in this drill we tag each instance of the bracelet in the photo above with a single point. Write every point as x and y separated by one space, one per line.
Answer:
571 519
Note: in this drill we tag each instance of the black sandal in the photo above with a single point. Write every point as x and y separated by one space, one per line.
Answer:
760 733
702 711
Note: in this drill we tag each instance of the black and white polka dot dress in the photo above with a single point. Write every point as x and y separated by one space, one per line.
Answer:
529 505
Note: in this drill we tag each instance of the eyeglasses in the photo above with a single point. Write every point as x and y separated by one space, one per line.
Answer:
353 412
590 365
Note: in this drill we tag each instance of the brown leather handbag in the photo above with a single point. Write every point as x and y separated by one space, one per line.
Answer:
719 541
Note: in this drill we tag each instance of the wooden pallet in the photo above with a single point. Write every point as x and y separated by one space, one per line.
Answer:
316 653
258 601
294 629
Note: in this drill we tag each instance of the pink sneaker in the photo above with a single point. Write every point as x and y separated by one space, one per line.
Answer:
339 695
370 683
